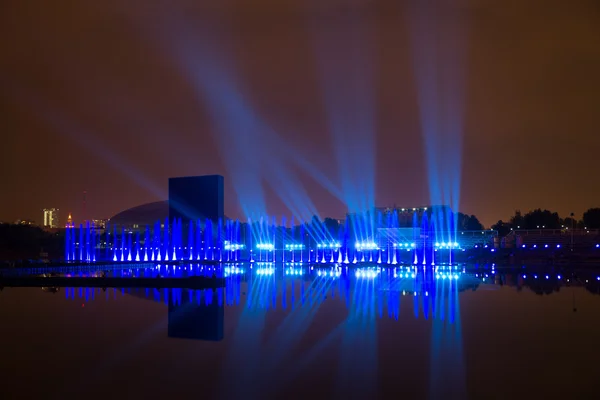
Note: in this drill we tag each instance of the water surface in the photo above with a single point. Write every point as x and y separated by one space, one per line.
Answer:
283 332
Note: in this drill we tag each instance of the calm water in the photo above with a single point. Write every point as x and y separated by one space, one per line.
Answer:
332 333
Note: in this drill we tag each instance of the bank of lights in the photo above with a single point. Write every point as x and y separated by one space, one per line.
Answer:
265 246
294 246
367 245
546 246
233 246
404 245
448 245
446 276
333 245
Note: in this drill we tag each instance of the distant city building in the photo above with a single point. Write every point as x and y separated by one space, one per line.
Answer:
99 223
69 223
51 218
24 222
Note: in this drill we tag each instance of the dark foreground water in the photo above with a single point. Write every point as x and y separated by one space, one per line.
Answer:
321 333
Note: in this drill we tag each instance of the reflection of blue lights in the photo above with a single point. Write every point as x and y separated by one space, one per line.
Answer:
334 245
294 246
448 276
265 271
367 273
330 273
265 246
368 245
294 272
233 271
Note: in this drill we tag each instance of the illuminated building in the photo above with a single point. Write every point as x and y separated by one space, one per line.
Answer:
69 222
24 222
99 223
50 218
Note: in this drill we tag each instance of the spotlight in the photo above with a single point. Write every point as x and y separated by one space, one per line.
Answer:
265 246
232 246
332 245
294 246
368 245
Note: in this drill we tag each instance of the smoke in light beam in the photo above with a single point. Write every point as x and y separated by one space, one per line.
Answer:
438 44
253 152
238 128
345 62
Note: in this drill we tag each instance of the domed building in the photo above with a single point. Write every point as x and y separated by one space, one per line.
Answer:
141 216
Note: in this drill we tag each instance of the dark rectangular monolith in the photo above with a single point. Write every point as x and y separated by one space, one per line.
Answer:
196 197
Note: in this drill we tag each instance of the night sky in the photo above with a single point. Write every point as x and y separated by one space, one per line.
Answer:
92 100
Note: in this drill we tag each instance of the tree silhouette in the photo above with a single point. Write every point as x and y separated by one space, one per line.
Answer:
591 218
541 219
467 222
517 221
502 228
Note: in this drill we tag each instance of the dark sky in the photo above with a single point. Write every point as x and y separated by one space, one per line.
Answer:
93 100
